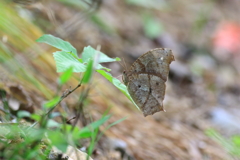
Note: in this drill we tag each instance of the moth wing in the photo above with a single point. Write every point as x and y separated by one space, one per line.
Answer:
148 92
156 61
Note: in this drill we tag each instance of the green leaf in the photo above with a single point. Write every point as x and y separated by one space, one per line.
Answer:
93 141
73 131
88 74
51 103
99 66
112 124
89 53
86 132
22 114
34 134
58 43
117 84
52 123
54 114
58 139
116 122
36 117
65 76
65 60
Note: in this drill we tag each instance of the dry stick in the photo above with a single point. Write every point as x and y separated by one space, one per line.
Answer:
84 96
64 95
68 121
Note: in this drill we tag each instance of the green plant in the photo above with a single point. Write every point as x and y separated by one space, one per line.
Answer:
35 141
68 58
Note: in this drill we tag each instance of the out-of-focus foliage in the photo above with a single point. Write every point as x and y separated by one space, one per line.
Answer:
232 145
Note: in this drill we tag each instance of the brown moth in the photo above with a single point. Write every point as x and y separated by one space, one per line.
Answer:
145 80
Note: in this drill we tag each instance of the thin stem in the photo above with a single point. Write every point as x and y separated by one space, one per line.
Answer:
64 95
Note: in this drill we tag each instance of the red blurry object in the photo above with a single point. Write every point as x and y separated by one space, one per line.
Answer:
227 38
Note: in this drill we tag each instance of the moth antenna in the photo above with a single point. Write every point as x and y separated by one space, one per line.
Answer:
121 64
124 64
